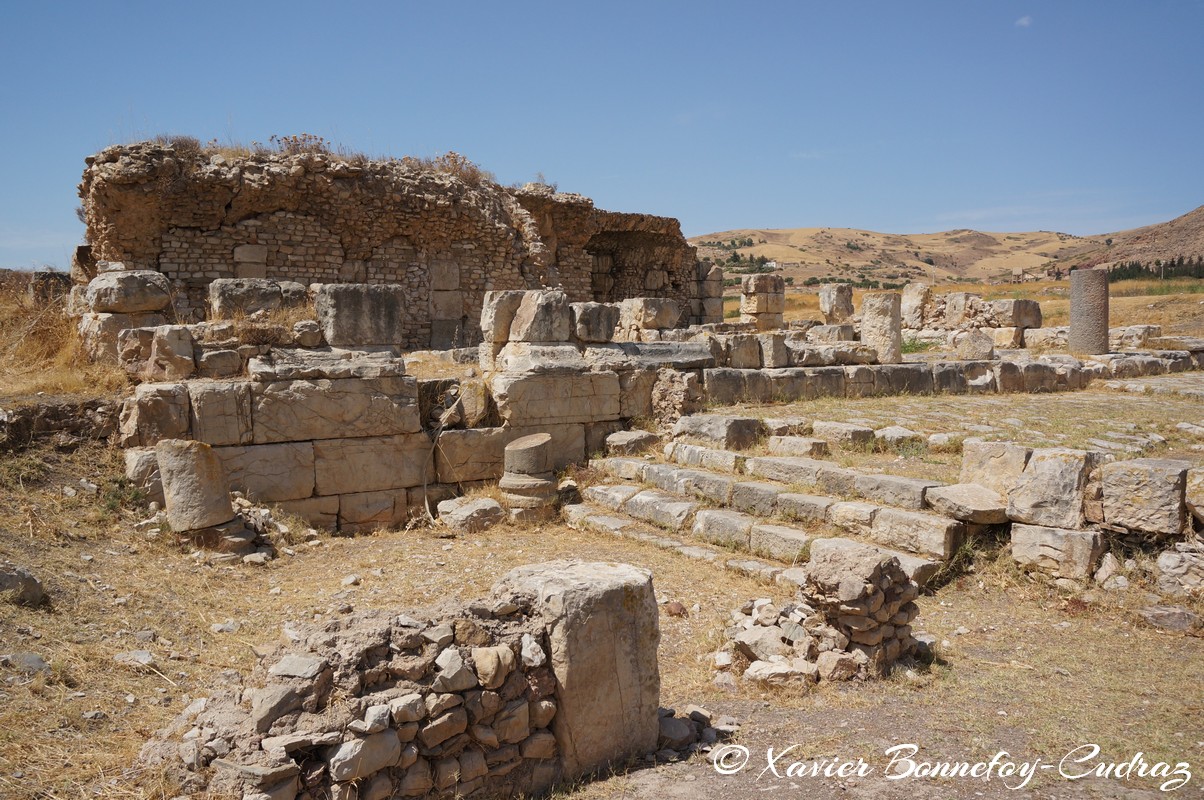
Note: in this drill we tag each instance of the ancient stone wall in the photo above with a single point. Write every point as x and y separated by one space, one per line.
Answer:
315 218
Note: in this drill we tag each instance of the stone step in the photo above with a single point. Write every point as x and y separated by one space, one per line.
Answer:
923 534
751 532
584 516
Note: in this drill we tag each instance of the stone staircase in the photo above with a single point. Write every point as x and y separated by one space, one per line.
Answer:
772 506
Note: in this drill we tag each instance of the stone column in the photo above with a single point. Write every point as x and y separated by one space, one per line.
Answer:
763 301
882 326
1088 312
528 484
836 303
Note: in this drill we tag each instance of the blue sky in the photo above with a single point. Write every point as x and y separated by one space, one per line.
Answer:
906 117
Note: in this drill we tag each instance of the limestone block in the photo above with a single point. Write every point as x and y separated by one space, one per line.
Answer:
218 363
913 308
231 297
603 634
630 442
156 411
527 357
1146 494
567 445
284 411
894 490
779 541
171 356
974 345
797 446
845 434
774 353
542 316
917 532
648 313
829 334
881 326
368 511
1057 551
360 757
497 314
755 497
447 305
1007 338
536 399
445 275
1016 313
134 349
763 283
475 454
357 314
786 469
471 516
743 351
372 463
725 528
661 509
804 507
129 292
220 411
529 455
732 433
1050 490
194 485
1194 492
852 516
286 364
270 473
99 332
635 393
595 322
142 470
968 502
836 302
994 465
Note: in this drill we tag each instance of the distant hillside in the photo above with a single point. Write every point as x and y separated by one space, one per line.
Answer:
958 255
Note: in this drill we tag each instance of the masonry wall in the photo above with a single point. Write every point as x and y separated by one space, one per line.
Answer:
315 218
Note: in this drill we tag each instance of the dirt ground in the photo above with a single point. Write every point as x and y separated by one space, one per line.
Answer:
1021 667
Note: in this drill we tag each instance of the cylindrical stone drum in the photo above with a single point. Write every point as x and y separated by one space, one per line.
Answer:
529 455
1088 312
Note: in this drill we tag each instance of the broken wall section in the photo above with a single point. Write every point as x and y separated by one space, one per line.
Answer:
552 677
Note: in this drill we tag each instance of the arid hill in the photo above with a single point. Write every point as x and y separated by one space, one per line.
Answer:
957 255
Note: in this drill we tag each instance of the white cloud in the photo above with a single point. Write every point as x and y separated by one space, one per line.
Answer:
1024 22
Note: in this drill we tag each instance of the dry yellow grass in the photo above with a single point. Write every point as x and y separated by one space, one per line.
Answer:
40 350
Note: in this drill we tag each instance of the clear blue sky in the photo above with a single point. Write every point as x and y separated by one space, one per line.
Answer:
1085 117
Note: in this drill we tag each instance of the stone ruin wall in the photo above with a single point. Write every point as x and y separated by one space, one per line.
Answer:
314 218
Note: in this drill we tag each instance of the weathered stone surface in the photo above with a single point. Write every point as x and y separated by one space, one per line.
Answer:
845 434
194 485
1088 312
171 354
1194 492
220 411
471 516
603 642
852 515
100 333
358 314
291 363
648 313
630 442
974 345
269 473
727 528
497 314
493 665
1050 490
881 326
894 490
369 511
1016 313
1059 552
917 532
734 433
532 400
475 454
804 507
797 446
832 334
142 470
231 297
836 302
19 585
1146 494
1181 569
372 463
916 297
786 675
529 455
542 316
661 509
364 756
128 292
787 469
595 322
284 411
968 502
995 465
779 541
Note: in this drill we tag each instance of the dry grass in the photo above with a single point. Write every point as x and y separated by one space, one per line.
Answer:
40 350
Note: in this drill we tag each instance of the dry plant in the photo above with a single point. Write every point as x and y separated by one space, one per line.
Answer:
40 350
